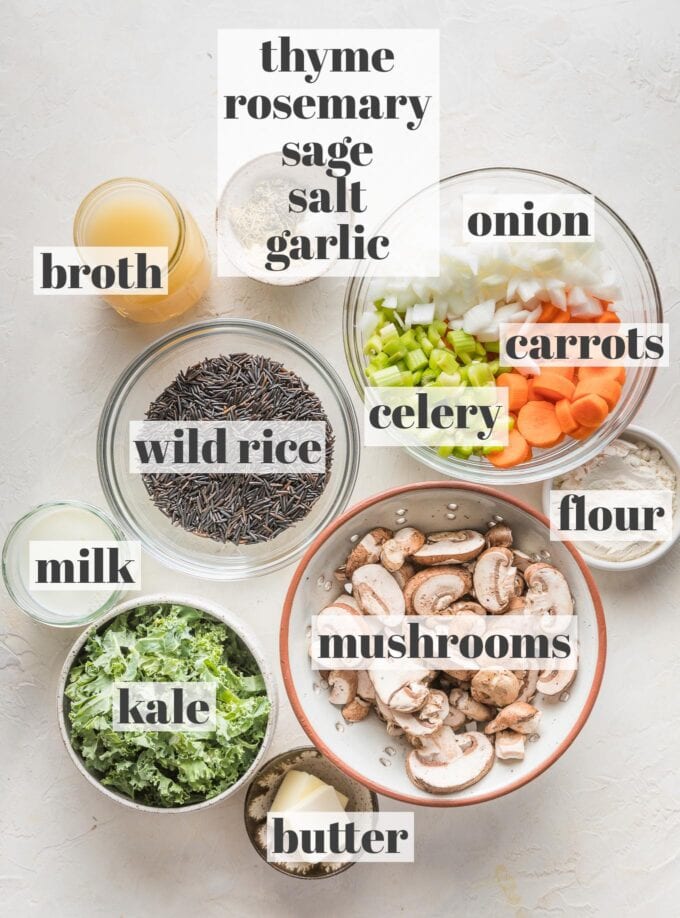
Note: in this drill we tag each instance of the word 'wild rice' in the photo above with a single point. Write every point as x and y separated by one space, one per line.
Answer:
242 509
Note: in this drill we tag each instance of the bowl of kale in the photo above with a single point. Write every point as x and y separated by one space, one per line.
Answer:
167 757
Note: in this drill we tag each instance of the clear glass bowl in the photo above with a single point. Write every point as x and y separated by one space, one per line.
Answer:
63 609
640 302
145 379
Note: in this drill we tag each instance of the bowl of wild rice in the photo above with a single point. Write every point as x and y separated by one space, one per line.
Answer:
226 526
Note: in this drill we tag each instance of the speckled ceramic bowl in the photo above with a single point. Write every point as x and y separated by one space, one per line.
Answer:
262 792
649 438
210 609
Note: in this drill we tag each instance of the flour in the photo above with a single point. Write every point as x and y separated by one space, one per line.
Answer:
624 465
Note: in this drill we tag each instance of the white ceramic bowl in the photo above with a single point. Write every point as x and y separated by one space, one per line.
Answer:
359 749
221 615
237 192
643 435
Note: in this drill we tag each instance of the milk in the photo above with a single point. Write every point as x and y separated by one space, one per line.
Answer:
63 523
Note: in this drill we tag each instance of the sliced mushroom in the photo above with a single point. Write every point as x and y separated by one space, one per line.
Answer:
376 591
495 687
466 607
356 710
521 560
343 683
449 547
432 591
468 706
402 545
494 579
499 536
548 592
404 574
520 717
462 675
516 606
367 551
456 773
410 697
455 719
509 745
555 681
428 719
400 689
365 688
440 747
529 680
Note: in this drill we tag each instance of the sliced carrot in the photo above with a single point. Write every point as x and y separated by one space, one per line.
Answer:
562 316
589 410
608 388
582 433
554 387
567 372
564 416
548 313
518 389
516 452
611 372
537 423
608 317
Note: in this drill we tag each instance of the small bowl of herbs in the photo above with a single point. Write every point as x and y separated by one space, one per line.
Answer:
158 639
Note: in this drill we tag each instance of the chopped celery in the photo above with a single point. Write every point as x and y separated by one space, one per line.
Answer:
389 376
373 345
494 366
407 379
401 365
426 345
416 360
437 354
479 374
449 379
417 377
393 346
398 356
449 364
428 377
488 450
409 340
389 331
435 336
462 452
461 342
493 346
445 451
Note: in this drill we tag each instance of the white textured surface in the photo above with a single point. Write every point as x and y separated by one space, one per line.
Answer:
589 91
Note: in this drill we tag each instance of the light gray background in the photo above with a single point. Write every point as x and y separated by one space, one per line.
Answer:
92 90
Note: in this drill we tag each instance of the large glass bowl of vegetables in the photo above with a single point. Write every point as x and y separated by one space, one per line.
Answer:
444 331
161 638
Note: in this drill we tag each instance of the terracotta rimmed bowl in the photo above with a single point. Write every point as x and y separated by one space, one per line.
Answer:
360 750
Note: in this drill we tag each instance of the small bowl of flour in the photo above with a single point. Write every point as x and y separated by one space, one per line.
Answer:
639 460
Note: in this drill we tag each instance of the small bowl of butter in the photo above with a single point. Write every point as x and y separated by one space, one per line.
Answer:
302 781
639 460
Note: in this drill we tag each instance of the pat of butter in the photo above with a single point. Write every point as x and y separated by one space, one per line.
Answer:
298 786
322 800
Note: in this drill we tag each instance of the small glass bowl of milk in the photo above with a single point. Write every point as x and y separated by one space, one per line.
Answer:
57 521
